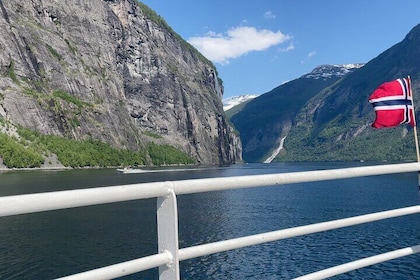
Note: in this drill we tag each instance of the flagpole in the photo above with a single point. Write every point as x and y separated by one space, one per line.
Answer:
415 131
415 123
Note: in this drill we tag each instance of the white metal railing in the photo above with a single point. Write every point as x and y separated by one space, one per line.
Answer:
170 255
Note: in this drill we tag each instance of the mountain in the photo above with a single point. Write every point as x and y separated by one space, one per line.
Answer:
332 121
265 120
110 70
326 72
229 103
321 72
235 104
336 123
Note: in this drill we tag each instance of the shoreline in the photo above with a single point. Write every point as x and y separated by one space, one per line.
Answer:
59 167
50 163
5 169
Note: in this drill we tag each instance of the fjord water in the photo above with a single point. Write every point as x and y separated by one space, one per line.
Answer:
58 243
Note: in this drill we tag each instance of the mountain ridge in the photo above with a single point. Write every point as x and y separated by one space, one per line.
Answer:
324 71
327 71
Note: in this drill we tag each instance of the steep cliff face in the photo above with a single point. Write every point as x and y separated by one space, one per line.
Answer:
113 71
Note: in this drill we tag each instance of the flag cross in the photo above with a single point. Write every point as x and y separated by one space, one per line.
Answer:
393 104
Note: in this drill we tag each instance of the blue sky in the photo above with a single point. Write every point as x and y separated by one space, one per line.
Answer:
256 45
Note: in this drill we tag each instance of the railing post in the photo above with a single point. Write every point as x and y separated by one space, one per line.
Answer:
167 219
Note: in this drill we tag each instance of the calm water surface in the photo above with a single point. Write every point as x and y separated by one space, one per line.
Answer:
58 243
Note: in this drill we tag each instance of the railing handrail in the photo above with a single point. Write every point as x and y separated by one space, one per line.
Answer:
156 260
340 269
38 202
235 243
170 255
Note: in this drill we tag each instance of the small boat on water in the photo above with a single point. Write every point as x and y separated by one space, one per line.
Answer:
132 170
129 170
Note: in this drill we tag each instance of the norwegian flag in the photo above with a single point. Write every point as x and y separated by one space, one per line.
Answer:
393 104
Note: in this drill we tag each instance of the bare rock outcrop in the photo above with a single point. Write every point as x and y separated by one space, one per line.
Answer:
113 71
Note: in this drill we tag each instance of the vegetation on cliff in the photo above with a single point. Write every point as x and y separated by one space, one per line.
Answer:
30 149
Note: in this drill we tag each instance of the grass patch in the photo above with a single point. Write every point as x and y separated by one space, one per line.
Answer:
70 98
11 72
70 46
54 52
151 134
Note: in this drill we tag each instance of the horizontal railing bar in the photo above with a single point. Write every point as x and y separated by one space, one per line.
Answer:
344 268
30 203
122 269
226 245
134 266
239 182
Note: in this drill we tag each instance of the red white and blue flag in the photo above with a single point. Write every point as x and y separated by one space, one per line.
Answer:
393 104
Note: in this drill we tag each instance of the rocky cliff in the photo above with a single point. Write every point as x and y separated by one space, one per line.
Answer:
110 70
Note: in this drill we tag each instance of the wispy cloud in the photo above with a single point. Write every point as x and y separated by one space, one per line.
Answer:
311 54
238 41
269 15
290 47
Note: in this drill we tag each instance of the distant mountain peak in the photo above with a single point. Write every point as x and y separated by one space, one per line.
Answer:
327 71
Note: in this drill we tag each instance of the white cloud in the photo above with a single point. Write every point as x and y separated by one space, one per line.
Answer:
269 15
290 47
238 41
311 54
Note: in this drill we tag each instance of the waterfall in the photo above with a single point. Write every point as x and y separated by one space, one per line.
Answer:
276 151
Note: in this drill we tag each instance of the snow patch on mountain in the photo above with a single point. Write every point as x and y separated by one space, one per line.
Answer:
329 71
230 102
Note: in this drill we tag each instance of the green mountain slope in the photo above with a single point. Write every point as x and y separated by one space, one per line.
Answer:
336 123
267 118
333 121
